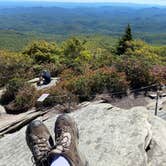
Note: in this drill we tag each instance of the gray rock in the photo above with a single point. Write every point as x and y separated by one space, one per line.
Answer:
54 81
2 110
161 109
109 136
164 105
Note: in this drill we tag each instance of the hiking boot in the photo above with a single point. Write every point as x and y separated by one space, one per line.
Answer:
39 141
66 138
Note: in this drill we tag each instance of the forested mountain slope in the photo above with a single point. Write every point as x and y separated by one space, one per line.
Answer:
83 20
147 23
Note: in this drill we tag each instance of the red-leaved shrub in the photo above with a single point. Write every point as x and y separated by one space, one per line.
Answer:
159 74
98 81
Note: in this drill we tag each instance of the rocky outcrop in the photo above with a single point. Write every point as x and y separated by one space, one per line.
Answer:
161 109
2 110
109 136
54 81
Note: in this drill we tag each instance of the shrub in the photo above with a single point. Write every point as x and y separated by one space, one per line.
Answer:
12 88
25 98
105 58
137 72
79 86
53 68
58 95
73 47
159 74
42 52
68 74
76 56
14 65
149 54
97 81
86 86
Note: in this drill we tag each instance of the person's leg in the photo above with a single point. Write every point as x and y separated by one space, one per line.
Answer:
40 82
39 141
66 138
65 153
46 80
60 161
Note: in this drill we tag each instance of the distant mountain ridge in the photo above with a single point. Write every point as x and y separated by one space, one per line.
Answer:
148 23
105 20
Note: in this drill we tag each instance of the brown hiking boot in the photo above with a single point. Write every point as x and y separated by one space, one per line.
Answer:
39 142
66 138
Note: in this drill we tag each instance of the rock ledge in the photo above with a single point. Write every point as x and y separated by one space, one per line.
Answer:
109 136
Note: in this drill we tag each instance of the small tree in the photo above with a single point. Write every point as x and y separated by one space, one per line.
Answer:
42 52
73 48
75 54
124 41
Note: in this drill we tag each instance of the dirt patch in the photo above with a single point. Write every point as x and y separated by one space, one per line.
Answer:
125 102
130 101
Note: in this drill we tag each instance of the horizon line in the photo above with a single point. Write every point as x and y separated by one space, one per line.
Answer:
85 2
41 1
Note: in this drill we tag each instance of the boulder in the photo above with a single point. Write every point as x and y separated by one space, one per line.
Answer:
11 108
164 105
2 110
152 105
109 136
54 81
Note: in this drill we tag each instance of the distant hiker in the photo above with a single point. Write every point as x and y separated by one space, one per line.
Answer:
65 150
45 78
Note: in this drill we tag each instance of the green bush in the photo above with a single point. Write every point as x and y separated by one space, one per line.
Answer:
26 97
149 54
12 88
98 81
137 71
159 74
14 65
53 68
42 52
58 95
86 86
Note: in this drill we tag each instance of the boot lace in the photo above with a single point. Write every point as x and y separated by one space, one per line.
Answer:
40 150
63 141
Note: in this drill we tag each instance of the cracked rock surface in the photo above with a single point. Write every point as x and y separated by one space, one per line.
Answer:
109 136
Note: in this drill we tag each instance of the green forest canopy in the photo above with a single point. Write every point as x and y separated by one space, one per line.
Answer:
19 25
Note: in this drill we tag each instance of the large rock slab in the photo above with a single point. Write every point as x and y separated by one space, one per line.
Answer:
54 81
109 136
2 110
161 109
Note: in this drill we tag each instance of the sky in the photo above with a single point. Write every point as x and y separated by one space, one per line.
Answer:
159 2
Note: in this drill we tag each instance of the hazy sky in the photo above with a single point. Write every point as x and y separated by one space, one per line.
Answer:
161 2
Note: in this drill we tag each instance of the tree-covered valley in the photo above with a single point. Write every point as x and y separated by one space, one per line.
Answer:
19 25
